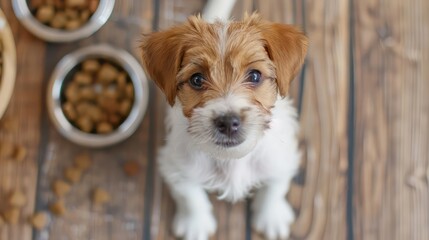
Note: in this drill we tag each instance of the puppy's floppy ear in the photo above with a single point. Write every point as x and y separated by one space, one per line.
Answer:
286 47
162 53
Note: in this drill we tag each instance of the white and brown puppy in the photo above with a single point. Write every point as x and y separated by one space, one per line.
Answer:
230 126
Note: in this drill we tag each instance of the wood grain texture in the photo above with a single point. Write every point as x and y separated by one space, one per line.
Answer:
23 118
123 217
391 145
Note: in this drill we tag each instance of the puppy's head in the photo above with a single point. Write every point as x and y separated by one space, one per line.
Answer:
225 77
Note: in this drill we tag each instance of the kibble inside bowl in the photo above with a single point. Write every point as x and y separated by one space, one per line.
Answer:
97 96
63 20
63 14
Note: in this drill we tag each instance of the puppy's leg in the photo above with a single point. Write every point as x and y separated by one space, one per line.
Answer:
272 214
194 219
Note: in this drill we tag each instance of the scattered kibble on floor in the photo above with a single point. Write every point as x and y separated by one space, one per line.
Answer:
20 153
39 220
100 196
58 208
17 199
83 161
72 174
61 188
11 215
131 168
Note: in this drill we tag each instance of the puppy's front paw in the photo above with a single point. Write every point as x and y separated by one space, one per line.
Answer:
196 226
273 220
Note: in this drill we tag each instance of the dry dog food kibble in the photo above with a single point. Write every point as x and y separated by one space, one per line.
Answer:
100 196
11 215
58 208
20 153
83 161
17 199
1 220
131 168
39 220
72 174
98 96
60 188
63 14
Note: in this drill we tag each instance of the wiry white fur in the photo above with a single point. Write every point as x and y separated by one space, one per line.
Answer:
268 158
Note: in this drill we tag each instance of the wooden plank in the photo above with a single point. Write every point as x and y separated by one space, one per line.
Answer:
322 213
21 125
392 129
319 191
123 217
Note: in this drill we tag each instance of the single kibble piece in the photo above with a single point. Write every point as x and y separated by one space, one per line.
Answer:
87 93
17 199
84 15
59 20
34 4
45 13
83 161
82 78
72 93
131 168
85 124
6 149
39 220
76 3
114 119
69 111
61 188
96 114
121 81
11 215
73 24
90 65
72 174
59 4
108 73
125 107
20 153
129 90
71 13
58 208
100 196
104 127
93 5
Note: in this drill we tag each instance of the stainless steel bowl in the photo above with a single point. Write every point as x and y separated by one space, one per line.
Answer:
98 19
130 124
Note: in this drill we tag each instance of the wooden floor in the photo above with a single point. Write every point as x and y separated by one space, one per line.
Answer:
363 98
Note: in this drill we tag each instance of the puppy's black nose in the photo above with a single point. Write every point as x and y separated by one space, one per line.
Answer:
228 124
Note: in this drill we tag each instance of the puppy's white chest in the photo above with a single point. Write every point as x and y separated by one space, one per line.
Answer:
232 179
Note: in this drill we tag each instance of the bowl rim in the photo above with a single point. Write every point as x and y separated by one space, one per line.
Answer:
130 124
8 76
96 21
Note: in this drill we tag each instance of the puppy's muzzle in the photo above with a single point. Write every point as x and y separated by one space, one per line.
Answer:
228 129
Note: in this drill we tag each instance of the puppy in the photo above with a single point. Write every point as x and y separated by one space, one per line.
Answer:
230 126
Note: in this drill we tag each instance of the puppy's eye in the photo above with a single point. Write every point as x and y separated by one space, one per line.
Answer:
254 76
196 81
